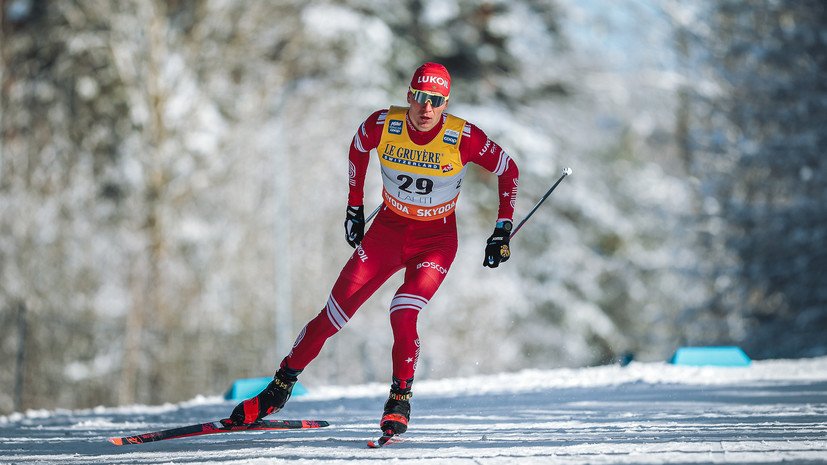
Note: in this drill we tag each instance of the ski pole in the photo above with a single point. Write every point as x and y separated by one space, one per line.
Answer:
373 214
566 172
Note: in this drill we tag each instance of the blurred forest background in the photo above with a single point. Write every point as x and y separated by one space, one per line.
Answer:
173 179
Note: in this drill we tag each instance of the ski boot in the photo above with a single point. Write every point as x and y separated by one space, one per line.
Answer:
268 401
397 410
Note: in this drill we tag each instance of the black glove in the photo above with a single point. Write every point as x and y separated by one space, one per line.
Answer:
355 225
496 249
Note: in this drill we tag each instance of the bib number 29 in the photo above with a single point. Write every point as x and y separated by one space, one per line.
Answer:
424 186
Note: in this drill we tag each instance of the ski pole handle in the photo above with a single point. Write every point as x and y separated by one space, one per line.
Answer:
353 235
565 172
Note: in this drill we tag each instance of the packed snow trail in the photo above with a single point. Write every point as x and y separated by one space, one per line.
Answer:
772 411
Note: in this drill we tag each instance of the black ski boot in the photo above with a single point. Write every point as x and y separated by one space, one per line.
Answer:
268 401
397 410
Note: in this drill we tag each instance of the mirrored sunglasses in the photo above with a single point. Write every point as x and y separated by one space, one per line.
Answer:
422 97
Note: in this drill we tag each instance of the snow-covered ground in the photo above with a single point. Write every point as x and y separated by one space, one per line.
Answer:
772 411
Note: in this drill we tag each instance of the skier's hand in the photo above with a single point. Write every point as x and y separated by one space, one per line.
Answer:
355 225
496 248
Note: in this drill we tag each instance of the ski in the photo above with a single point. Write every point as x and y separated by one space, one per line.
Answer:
386 439
221 426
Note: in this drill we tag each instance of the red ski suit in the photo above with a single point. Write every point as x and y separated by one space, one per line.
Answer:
425 248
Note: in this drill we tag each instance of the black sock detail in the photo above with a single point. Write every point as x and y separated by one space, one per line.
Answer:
288 374
401 383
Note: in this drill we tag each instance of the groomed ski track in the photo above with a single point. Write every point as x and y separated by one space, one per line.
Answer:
770 412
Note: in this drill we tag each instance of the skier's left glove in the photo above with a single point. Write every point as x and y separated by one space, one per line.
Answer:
355 225
496 249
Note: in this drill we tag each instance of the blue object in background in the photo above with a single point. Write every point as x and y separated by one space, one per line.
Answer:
711 356
249 387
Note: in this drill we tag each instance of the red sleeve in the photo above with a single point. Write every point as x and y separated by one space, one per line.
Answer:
476 147
366 138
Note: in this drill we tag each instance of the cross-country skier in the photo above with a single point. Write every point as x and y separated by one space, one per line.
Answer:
423 153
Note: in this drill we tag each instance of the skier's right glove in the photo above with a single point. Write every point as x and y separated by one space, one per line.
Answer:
355 225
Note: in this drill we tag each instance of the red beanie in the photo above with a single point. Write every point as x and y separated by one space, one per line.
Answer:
432 77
